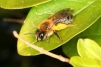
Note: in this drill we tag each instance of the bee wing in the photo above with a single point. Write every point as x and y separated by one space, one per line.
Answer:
64 16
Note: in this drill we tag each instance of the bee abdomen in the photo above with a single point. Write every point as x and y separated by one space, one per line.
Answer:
64 16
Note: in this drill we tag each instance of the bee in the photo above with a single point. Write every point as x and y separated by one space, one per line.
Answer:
48 26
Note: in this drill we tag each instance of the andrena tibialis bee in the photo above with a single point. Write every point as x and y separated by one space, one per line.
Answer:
46 28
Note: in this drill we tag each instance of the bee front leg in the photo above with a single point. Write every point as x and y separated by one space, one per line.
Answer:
47 39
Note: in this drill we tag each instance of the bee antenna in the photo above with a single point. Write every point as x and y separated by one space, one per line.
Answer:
34 42
34 26
28 33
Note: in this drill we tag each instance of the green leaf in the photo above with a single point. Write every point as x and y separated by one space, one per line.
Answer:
93 32
19 4
89 49
70 48
84 62
83 10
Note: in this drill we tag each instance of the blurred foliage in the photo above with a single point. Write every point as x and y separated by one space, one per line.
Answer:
89 52
20 4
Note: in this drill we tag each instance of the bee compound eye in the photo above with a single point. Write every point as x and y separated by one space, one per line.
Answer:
41 35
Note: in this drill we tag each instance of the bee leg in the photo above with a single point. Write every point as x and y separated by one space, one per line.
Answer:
37 39
57 35
47 39
70 25
34 42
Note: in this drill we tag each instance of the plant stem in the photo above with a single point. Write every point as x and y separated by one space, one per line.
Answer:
14 20
41 50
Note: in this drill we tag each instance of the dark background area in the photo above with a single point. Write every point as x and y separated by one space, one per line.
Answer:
8 44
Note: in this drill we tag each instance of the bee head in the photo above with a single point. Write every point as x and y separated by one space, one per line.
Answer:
40 35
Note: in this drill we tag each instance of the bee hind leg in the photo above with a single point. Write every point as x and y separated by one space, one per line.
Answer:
57 35
70 25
